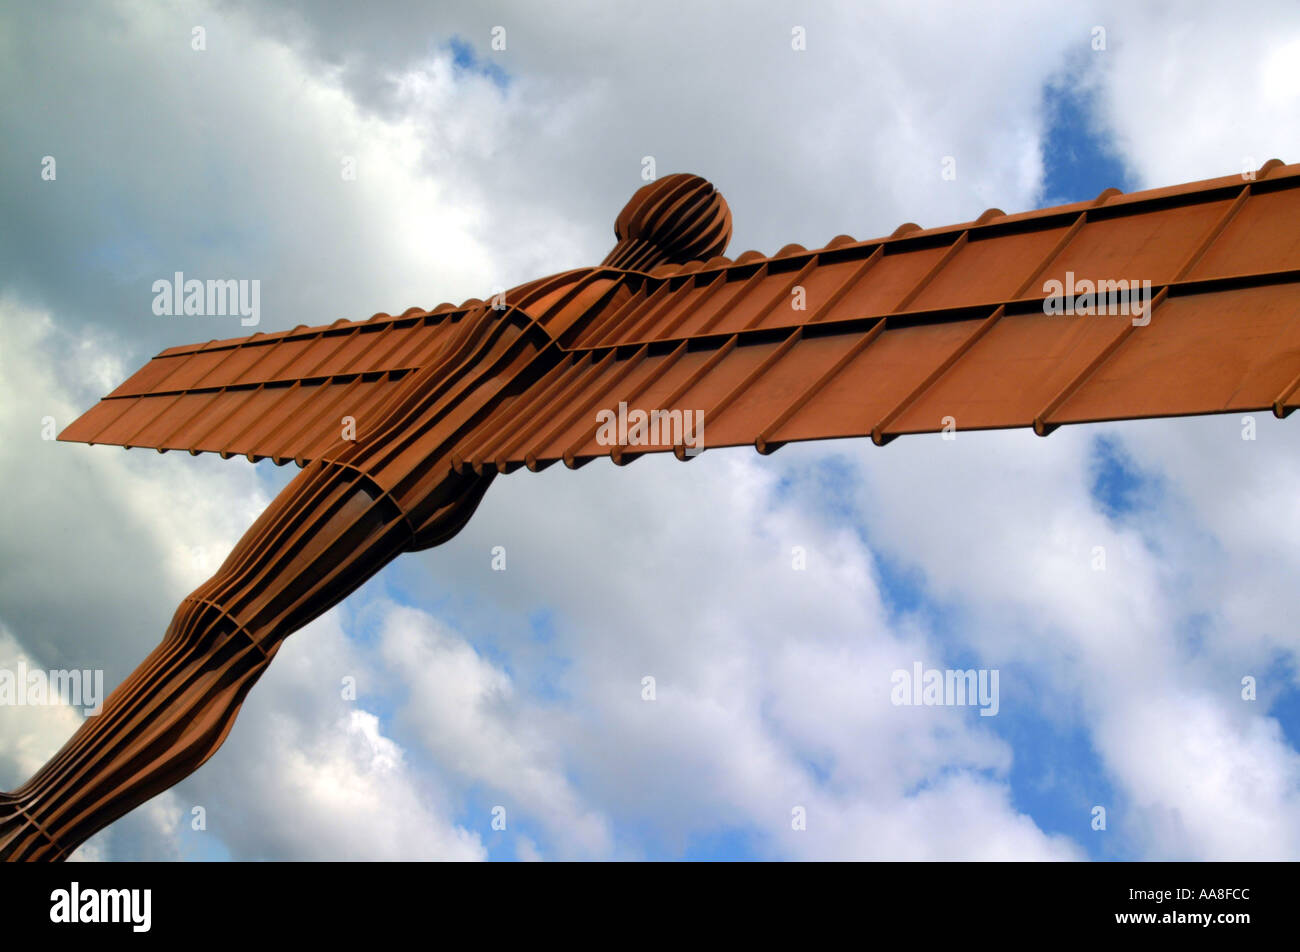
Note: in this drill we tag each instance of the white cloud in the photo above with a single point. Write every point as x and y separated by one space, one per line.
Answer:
772 685
465 712
1193 96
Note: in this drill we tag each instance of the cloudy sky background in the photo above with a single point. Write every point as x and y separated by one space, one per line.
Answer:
522 689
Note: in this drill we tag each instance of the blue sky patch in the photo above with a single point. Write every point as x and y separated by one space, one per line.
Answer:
1079 163
1117 485
465 60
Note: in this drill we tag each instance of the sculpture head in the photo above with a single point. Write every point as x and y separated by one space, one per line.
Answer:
672 220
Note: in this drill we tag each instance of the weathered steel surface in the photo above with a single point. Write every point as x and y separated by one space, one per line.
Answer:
893 335
858 338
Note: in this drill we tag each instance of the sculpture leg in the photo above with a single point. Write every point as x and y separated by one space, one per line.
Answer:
327 532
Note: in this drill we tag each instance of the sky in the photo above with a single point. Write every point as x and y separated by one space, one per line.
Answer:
518 694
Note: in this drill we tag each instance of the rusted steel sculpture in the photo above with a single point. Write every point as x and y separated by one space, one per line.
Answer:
992 323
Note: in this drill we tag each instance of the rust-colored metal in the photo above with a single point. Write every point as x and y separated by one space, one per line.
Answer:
916 332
